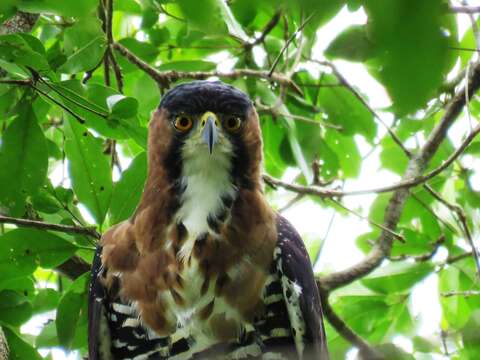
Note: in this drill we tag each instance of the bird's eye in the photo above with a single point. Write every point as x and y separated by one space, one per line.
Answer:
232 123
183 123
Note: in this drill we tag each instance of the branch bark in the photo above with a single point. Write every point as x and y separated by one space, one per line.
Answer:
416 166
165 78
465 9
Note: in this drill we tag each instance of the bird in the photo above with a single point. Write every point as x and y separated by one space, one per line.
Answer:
204 268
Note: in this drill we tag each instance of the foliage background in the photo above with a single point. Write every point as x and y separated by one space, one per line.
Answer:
80 79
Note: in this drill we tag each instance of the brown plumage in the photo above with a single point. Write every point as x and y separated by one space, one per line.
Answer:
204 264
137 249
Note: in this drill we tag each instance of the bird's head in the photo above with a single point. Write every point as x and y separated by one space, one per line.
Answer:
210 125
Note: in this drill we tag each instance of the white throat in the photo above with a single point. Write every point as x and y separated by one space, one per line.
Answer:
207 178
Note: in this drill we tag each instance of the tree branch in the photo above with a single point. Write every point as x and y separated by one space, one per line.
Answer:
266 30
164 78
416 166
69 229
408 182
73 267
466 293
465 9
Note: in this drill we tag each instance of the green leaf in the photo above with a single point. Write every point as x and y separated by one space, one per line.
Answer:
48 336
19 348
128 190
46 299
343 108
84 45
352 44
392 352
69 310
25 50
471 336
122 107
77 9
413 49
22 250
15 309
23 151
397 277
89 169
196 13
456 310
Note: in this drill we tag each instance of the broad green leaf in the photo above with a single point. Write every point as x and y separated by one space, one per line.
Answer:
392 352
84 45
121 106
23 151
7 9
23 285
296 150
128 190
392 156
456 310
47 337
46 299
343 108
15 309
471 336
416 243
22 250
23 50
272 139
347 153
89 169
19 348
397 277
69 310
196 14
413 49
352 44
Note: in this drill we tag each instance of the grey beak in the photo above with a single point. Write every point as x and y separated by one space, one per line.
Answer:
210 133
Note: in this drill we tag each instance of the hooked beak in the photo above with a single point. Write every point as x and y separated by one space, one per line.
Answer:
209 130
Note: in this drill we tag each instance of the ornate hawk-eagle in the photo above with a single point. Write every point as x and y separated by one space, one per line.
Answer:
204 269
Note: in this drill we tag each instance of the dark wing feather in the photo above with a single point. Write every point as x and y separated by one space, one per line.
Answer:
300 292
97 324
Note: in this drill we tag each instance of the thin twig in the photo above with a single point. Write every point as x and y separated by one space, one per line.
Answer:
360 98
466 293
304 119
26 82
79 118
266 30
371 222
465 9
424 257
80 105
288 42
70 229
164 78
430 210
405 184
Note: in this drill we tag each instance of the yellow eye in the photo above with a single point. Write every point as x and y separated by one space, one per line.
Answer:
183 123
232 123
